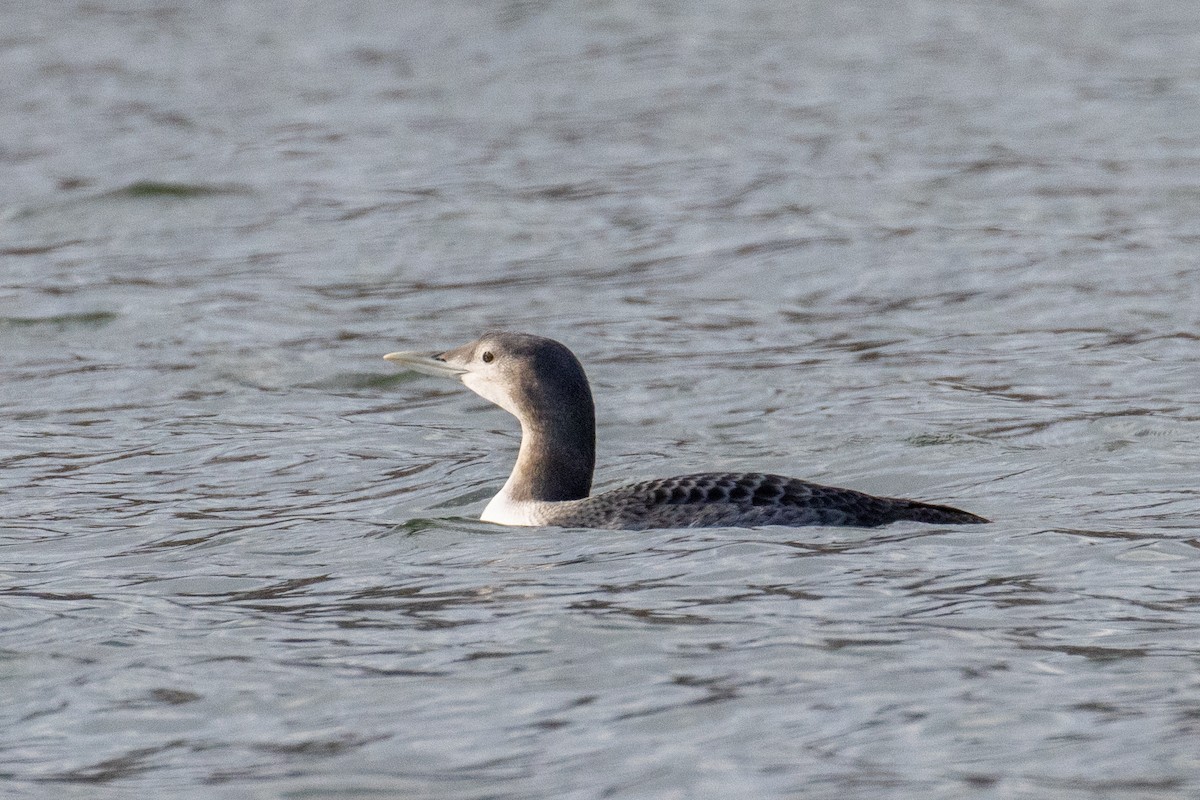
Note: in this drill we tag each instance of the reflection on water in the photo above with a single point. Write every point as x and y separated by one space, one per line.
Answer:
916 250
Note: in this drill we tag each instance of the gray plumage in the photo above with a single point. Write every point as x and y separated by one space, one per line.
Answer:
747 499
540 382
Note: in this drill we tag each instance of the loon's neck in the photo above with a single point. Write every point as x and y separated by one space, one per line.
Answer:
549 469
556 459
555 463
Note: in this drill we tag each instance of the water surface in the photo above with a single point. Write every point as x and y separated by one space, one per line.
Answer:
931 249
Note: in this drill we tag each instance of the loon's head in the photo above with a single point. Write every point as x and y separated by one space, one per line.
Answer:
537 380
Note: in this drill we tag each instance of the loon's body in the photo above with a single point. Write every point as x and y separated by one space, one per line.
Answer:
543 385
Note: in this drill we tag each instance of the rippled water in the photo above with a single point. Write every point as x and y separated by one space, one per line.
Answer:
935 249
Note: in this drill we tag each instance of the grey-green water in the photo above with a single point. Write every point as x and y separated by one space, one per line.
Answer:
937 249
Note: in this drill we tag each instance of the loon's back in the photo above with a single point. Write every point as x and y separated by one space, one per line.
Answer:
718 499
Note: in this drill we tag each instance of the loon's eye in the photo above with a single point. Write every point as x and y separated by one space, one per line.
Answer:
487 357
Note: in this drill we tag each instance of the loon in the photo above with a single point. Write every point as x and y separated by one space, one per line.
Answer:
541 383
